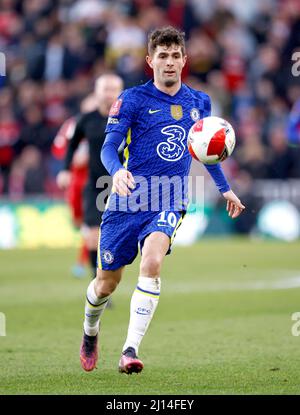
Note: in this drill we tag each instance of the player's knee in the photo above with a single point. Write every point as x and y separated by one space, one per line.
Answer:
91 236
150 265
91 243
94 237
104 287
94 243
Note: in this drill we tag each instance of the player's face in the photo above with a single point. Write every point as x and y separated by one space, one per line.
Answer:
107 91
167 64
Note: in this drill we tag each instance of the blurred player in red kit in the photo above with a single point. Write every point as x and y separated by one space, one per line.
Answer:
79 174
89 129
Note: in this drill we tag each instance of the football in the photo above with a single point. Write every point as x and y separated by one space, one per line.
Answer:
211 140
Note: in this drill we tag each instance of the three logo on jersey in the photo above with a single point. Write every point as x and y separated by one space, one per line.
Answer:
173 148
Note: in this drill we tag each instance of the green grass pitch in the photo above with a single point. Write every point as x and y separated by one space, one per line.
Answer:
223 324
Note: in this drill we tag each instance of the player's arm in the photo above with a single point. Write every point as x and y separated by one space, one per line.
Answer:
234 206
122 178
121 116
64 176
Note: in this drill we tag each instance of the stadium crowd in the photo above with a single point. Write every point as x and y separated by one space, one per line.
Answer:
239 52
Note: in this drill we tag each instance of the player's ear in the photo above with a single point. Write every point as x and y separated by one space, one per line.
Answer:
184 59
149 61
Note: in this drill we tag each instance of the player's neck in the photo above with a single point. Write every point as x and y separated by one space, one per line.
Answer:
170 90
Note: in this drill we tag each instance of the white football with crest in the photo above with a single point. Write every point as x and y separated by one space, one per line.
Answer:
211 140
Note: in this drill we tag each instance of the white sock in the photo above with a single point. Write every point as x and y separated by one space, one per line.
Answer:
94 307
142 307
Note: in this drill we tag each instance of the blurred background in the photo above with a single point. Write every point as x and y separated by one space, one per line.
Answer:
240 53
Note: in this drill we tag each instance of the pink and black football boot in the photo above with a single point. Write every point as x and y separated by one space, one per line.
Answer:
89 352
129 362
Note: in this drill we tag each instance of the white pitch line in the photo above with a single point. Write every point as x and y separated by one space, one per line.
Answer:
279 284
203 287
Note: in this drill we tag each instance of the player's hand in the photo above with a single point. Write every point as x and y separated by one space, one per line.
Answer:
122 182
63 179
80 159
234 206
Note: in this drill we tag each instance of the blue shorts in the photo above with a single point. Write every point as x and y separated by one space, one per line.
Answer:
122 232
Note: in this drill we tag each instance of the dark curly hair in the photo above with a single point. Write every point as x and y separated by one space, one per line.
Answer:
166 36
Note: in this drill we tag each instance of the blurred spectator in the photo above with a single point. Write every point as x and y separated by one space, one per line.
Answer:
9 133
281 162
126 56
27 174
34 133
252 157
245 186
202 54
34 175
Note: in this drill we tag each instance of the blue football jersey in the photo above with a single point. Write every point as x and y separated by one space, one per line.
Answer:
156 127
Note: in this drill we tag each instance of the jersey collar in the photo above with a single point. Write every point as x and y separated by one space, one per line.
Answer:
159 93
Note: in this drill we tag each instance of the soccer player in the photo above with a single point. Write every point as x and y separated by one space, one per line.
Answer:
155 119
79 173
91 126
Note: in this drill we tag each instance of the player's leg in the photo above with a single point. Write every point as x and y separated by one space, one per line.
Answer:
98 294
91 219
144 299
83 254
118 245
91 237
79 269
74 198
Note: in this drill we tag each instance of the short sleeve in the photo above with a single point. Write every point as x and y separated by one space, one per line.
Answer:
121 115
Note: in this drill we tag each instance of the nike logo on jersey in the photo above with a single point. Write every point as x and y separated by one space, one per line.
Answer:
153 111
